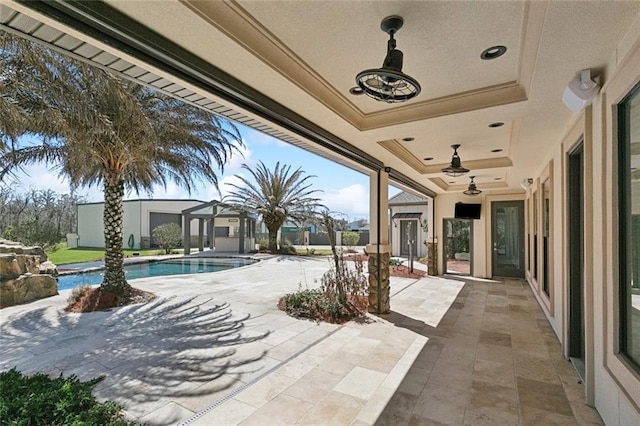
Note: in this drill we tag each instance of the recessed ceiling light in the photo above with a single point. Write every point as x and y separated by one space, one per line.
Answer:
428 158
408 139
356 91
497 150
493 52
496 124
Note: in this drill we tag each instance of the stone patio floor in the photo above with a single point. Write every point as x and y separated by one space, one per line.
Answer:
213 349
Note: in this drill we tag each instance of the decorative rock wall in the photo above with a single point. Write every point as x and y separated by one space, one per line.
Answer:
25 274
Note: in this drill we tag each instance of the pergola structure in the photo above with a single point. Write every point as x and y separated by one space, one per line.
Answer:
239 227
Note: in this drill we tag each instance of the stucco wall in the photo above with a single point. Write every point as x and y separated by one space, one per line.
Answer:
90 227
611 384
135 220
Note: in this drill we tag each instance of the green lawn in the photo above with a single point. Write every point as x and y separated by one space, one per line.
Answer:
65 255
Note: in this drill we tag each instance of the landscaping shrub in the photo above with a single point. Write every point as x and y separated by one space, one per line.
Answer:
168 236
42 400
396 262
350 239
350 286
287 249
342 296
78 293
263 243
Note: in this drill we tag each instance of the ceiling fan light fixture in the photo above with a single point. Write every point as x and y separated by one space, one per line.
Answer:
472 189
455 169
389 84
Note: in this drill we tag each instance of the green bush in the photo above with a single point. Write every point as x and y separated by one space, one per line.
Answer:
263 243
313 304
287 249
168 236
395 262
42 400
350 239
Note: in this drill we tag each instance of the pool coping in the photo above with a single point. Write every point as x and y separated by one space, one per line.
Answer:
79 269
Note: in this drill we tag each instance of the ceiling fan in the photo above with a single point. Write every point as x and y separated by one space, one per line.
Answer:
389 84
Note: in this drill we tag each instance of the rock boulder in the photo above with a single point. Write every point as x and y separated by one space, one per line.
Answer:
25 274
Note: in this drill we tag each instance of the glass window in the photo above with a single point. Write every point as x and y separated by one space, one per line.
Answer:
528 228
629 210
534 200
546 191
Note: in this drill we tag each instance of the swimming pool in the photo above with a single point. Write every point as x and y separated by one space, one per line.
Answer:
154 269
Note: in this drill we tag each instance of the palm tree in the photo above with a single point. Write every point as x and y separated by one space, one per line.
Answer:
277 196
100 130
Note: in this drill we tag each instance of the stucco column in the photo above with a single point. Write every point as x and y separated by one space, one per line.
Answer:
243 217
186 234
201 234
210 233
379 249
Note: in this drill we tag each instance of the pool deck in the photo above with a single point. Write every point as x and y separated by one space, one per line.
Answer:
214 349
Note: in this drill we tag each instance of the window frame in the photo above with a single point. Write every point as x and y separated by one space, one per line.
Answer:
624 223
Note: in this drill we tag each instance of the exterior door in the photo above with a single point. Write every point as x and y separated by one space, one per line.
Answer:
408 232
458 256
507 238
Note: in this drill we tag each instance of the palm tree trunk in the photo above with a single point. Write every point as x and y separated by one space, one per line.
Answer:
273 239
114 280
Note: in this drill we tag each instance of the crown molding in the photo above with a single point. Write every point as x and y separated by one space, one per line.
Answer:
401 152
238 24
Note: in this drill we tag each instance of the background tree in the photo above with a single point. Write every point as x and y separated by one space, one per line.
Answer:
167 236
100 130
277 196
37 217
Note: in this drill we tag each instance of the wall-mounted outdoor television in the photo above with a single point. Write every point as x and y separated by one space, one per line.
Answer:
467 211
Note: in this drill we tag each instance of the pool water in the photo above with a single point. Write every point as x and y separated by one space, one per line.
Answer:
155 269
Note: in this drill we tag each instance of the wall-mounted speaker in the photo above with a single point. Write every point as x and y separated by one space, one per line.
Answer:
580 91
526 183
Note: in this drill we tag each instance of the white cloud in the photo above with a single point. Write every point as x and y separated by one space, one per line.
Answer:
352 200
234 164
225 188
39 177
172 191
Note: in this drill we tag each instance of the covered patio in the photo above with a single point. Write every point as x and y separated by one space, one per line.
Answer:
493 111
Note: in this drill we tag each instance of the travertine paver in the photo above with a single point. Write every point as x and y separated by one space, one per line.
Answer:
491 359
214 349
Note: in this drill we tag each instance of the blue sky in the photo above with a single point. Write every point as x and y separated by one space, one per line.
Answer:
343 190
